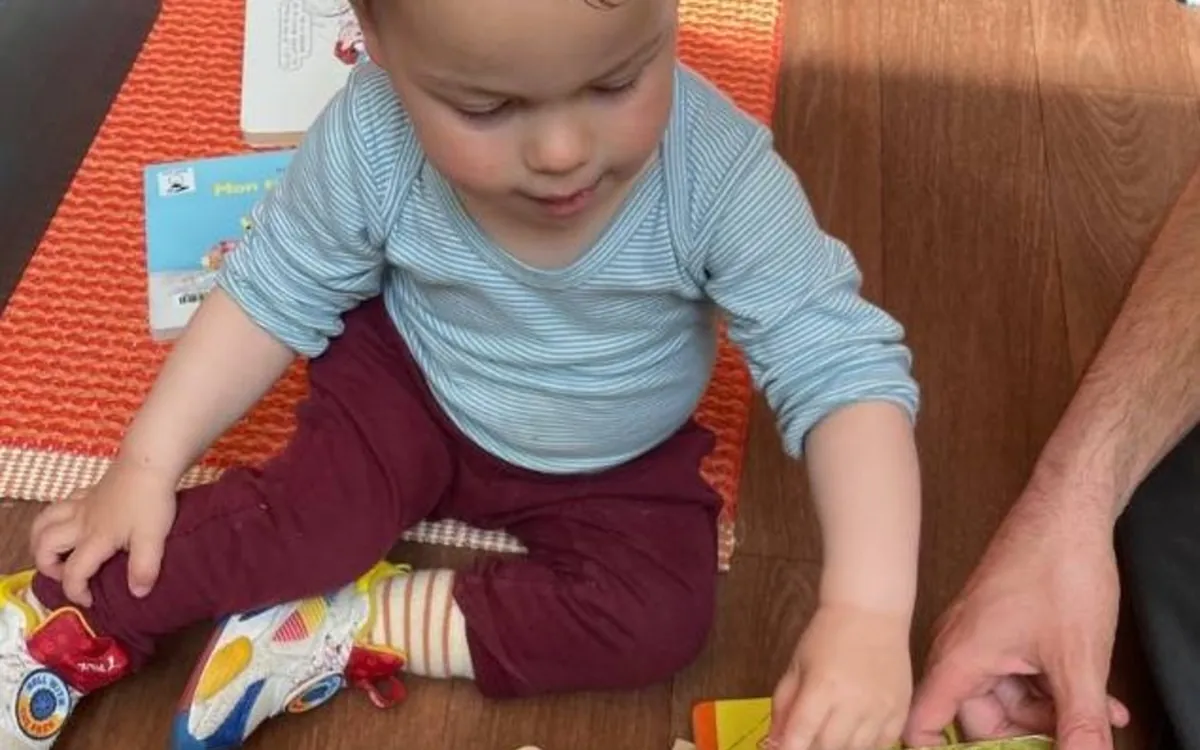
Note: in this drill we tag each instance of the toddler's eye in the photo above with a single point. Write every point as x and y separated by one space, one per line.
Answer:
619 87
483 113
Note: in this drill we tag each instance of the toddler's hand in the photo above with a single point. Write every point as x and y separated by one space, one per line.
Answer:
848 686
129 509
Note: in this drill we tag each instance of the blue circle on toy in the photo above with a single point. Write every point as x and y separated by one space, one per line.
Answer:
43 704
313 694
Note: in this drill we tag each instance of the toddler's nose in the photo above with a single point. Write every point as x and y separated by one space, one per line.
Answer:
561 147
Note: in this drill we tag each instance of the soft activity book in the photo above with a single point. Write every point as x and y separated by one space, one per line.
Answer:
743 724
297 54
195 213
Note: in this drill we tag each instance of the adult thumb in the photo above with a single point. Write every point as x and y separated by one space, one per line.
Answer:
145 561
938 698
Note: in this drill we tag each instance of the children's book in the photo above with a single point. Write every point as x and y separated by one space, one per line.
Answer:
296 55
195 213
734 724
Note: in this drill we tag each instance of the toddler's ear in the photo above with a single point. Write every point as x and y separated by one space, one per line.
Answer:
371 38
368 14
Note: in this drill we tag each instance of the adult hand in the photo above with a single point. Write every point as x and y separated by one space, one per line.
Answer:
1025 648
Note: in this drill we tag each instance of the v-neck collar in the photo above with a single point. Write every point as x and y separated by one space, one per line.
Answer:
612 238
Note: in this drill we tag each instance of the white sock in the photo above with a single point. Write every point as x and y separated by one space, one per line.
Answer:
418 617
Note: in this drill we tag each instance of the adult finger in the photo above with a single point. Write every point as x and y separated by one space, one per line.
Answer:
82 565
145 560
52 544
1118 712
937 699
1082 706
1025 709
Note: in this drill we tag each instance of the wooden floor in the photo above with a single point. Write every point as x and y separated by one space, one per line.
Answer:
998 166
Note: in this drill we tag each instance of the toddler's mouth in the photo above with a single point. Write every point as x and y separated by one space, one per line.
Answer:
566 204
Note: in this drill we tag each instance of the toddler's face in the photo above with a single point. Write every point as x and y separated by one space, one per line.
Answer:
538 111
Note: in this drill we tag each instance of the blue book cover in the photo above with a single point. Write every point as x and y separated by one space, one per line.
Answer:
196 212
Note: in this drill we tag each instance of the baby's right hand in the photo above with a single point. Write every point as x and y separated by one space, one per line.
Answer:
130 509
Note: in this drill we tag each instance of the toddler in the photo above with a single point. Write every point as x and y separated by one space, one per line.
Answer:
504 246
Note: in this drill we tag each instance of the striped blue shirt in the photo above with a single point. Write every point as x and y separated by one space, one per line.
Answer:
584 367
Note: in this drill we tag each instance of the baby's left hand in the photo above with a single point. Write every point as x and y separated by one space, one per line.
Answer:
849 684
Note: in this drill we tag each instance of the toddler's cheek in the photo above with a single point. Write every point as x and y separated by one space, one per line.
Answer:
479 170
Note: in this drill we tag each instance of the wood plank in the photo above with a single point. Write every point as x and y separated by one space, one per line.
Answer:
1191 31
969 265
1113 44
588 721
1117 163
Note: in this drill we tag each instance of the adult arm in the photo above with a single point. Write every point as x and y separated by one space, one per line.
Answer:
1027 643
1141 394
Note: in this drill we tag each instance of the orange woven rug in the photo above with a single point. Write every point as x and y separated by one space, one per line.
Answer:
75 354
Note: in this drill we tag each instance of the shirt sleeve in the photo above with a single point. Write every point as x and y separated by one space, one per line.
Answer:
791 296
308 256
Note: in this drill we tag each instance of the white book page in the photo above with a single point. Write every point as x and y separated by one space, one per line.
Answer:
298 54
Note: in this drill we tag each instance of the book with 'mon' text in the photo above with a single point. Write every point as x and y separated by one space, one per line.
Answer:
196 212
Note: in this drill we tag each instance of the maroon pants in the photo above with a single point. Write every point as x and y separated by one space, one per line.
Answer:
617 589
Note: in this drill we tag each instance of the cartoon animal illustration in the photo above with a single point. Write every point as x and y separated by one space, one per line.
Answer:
215 257
350 47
